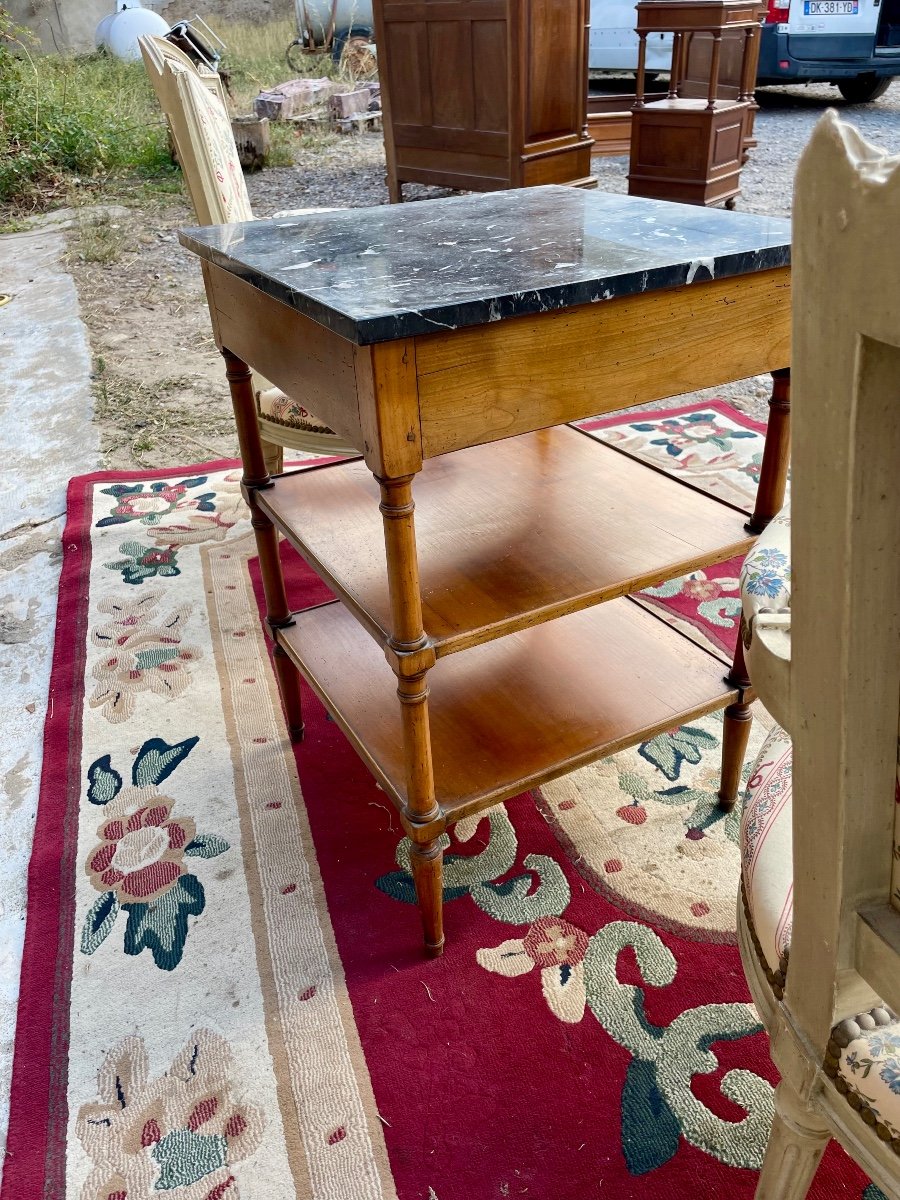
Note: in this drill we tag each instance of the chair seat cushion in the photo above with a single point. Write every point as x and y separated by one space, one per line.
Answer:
767 867
864 1061
277 407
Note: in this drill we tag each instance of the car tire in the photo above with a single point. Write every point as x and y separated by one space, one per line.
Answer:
863 88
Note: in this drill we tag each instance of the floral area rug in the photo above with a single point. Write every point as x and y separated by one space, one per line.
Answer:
223 993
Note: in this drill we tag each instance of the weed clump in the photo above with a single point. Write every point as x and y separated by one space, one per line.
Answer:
63 118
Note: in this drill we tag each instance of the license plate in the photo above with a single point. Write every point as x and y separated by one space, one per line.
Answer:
830 8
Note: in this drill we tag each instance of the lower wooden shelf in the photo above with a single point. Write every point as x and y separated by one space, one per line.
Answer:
513 713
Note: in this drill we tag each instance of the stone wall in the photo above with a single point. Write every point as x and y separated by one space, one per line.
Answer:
61 25
227 10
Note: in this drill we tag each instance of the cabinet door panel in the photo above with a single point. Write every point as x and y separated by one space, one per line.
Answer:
555 35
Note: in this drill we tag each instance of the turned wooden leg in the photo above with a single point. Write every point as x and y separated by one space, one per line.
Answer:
736 733
427 861
796 1145
411 657
255 478
776 456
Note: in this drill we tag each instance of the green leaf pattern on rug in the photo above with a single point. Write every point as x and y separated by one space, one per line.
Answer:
675 1053
658 1105
140 563
104 784
479 875
184 1157
161 927
180 1134
667 751
99 922
139 864
578 972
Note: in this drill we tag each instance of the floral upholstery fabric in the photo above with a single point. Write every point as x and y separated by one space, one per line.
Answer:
214 128
767 868
864 1061
766 615
277 407
766 573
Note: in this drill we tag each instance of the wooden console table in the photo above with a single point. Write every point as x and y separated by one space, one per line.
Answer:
483 640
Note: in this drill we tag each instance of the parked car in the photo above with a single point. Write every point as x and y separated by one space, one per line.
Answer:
854 44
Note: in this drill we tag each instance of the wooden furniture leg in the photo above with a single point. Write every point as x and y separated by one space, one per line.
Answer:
796 1145
776 456
255 478
735 734
411 657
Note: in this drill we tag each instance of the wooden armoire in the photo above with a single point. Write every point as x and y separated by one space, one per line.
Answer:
484 94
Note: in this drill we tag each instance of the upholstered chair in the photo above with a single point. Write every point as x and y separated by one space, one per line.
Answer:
819 915
193 102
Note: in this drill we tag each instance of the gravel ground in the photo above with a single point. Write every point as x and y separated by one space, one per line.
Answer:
160 388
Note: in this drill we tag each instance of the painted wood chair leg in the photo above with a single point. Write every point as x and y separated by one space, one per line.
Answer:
255 478
427 863
274 456
735 733
796 1145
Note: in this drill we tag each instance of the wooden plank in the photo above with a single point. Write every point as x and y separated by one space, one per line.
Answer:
509 534
461 141
498 380
517 712
306 360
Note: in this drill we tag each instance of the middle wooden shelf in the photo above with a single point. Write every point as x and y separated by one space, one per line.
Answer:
508 534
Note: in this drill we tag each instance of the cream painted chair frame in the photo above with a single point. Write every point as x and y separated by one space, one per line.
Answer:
844 666
164 64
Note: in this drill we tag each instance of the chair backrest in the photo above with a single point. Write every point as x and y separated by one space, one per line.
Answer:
194 106
845 671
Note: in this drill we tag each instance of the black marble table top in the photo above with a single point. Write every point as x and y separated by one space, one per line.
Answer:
378 274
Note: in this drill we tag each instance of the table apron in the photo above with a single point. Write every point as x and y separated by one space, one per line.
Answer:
494 381
436 393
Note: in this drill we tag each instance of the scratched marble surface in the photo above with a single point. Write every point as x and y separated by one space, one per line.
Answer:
379 274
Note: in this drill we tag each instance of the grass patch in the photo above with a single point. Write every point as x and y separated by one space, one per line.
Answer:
91 124
64 120
99 239
138 417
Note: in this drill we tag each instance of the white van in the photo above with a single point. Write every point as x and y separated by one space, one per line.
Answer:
854 44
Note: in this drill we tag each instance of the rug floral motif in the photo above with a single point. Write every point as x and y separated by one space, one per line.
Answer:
223 994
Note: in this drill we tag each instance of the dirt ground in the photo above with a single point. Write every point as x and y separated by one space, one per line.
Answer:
160 392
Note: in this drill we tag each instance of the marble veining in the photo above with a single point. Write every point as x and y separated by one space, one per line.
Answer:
378 274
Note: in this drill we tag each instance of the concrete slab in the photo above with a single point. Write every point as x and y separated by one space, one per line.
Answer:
46 436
